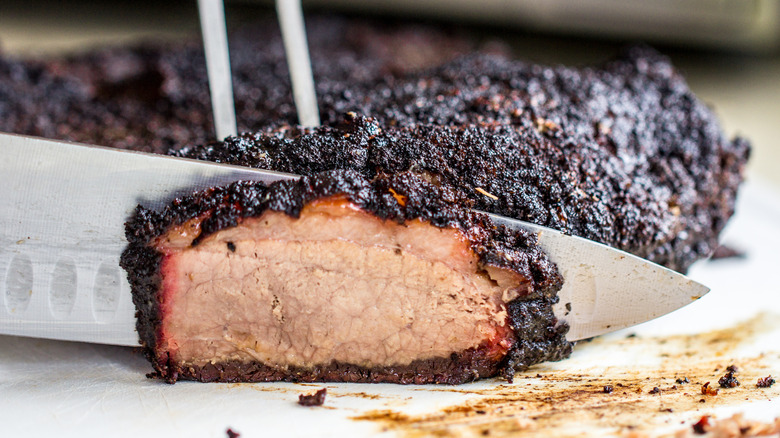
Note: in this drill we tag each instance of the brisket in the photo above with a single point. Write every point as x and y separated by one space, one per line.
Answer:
622 153
335 278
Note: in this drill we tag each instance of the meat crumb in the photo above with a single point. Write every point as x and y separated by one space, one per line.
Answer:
707 390
727 252
316 399
728 380
232 433
765 382
735 426
703 425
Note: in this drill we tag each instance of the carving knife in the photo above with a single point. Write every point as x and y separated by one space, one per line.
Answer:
64 206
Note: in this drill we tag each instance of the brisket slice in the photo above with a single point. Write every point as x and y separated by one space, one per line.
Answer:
338 278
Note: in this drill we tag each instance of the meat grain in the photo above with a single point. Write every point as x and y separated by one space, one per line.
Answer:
338 278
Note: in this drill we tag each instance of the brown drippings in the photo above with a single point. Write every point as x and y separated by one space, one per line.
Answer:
363 395
548 400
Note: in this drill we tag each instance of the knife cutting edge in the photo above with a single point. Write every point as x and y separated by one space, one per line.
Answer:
64 208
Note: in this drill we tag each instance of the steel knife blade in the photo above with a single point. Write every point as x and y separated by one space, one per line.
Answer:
62 233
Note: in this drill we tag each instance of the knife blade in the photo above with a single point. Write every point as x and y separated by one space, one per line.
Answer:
62 232
606 289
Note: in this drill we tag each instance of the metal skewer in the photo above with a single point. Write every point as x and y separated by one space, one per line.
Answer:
212 20
297 50
212 23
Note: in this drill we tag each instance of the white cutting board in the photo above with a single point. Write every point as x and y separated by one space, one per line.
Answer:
62 389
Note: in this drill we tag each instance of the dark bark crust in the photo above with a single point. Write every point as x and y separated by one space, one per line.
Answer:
461 367
623 154
153 97
539 336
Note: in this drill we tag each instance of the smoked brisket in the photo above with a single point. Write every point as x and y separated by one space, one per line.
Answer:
622 153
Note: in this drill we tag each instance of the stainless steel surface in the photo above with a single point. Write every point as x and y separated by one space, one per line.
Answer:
62 231
606 289
64 209
212 21
748 25
297 51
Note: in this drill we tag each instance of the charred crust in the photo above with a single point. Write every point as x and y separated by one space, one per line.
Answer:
144 263
462 367
543 336
538 335
622 153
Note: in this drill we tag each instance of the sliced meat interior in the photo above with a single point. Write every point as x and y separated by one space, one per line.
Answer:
338 278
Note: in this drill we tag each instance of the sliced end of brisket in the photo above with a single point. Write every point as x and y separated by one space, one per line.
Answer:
337 278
